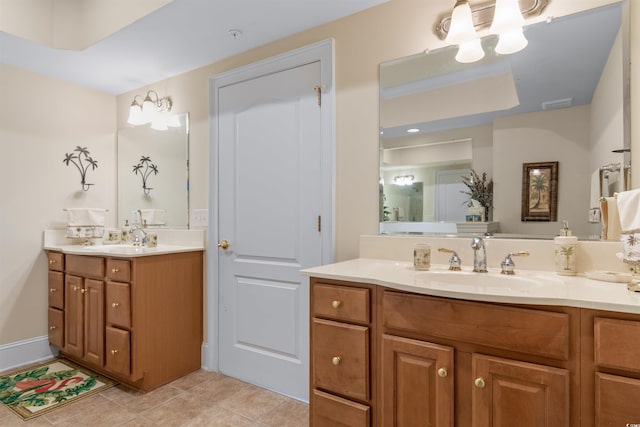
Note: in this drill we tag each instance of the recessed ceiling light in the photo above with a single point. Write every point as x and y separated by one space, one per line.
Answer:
413 130
236 34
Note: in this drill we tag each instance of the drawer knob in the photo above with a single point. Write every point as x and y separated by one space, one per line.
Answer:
114 352
115 304
335 304
52 290
52 261
83 290
114 270
75 288
442 372
336 360
51 328
479 382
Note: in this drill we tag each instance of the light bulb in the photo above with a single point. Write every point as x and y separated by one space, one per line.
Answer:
470 51
507 17
135 114
511 42
461 29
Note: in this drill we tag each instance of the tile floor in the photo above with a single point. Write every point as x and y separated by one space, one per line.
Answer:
199 399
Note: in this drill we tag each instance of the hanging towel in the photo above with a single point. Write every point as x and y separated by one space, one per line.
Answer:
610 219
153 217
629 210
85 222
596 189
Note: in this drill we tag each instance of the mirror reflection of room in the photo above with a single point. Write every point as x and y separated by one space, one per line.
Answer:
562 98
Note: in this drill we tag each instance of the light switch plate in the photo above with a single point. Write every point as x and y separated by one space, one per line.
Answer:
200 217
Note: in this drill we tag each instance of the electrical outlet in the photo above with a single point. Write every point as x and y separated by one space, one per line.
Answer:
200 217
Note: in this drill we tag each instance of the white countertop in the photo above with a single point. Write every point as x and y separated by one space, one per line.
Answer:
525 287
121 251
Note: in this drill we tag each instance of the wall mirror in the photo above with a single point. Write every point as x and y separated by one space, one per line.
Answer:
153 174
564 98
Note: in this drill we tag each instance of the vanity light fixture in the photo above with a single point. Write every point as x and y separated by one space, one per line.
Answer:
403 180
152 109
503 17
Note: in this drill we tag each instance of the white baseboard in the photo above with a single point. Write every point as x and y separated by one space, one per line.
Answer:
27 352
206 358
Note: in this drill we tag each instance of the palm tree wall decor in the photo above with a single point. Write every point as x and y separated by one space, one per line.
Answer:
540 191
145 168
82 161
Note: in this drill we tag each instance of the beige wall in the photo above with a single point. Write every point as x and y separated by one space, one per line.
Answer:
41 119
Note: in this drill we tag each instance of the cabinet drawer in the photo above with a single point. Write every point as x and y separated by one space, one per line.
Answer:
56 289
56 261
342 303
118 304
615 400
617 343
543 333
56 327
333 411
85 265
341 358
119 269
118 344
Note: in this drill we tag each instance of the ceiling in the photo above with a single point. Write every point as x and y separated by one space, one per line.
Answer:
178 37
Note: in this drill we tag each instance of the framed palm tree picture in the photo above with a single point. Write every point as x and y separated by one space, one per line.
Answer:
540 191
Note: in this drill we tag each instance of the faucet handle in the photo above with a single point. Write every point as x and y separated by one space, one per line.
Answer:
454 262
507 265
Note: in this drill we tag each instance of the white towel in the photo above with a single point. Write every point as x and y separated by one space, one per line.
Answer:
610 219
596 189
629 210
153 216
85 217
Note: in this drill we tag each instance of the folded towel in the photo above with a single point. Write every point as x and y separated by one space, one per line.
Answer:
610 219
78 232
153 216
85 217
629 210
631 246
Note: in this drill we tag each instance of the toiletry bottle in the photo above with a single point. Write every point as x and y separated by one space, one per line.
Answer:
565 251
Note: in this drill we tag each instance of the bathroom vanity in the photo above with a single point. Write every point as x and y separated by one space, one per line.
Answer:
134 315
394 346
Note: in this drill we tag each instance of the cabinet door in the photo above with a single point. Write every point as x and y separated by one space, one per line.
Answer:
94 321
74 315
417 383
56 327
616 403
509 393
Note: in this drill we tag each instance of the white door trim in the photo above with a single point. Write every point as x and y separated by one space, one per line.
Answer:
320 51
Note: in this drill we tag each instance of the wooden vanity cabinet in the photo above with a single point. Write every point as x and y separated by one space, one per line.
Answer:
611 368
137 319
342 362
56 299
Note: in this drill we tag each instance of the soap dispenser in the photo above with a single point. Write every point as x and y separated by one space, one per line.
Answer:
565 251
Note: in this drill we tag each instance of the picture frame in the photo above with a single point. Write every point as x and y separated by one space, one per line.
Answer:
539 191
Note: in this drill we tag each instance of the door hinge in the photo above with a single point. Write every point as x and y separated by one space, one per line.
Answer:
318 90
319 223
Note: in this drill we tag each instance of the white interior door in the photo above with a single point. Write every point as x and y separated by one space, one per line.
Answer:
269 204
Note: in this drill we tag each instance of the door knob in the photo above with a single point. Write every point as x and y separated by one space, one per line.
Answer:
224 244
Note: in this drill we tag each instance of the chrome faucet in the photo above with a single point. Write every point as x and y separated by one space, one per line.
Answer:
479 255
135 235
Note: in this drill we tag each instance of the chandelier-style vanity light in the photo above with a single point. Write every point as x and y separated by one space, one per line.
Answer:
505 18
154 110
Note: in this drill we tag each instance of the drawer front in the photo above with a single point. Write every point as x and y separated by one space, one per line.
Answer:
56 289
538 332
56 327
56 261
90 266
342 303
328 410
341 358
118 304
615 400
118 344
617 343
119 269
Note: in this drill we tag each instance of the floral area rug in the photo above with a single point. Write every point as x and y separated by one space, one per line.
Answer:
39 389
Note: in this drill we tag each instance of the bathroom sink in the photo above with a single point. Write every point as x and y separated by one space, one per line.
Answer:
484 281
118 249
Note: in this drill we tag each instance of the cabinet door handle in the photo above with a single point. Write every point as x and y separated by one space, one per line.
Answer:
336 360
51 328
115 304
83 290
75 288
114 270
335 304
114 352
52 261
479 382
52 290
442 372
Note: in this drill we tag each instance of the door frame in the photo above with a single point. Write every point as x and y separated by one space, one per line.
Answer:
323 52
